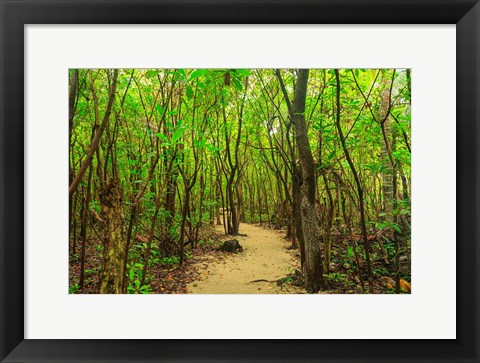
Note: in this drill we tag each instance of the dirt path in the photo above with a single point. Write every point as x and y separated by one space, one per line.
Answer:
265 257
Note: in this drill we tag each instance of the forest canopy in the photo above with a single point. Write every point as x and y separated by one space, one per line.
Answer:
172 171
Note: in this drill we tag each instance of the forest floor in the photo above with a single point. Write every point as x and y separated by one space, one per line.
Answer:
257 270
265 266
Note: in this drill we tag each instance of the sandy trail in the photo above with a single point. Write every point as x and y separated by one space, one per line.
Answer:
265 257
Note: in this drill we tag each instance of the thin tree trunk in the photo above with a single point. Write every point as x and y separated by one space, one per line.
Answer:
363 227
387 174
97 138
297 215
71 115
188 187
71 100
327 238
83 230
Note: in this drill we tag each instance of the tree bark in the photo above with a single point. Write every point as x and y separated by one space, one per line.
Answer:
71 101
83 230
97 138
71 115
387 174
313 266
297 215
363 226
111 278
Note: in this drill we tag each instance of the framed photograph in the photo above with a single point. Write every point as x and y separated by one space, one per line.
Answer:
239 181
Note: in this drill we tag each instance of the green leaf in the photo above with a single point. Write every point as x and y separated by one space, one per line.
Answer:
180 74
177 134
198 73
349 251
237 84
189 92
397 228
210 147
152 73
243 72
159 109
162 136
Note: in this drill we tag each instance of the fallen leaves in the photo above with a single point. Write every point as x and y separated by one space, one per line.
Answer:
390 283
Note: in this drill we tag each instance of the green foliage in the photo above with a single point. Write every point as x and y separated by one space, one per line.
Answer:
135 272
95 206
386 224
335 276
198 73
89 272
350 252
172 127
169 261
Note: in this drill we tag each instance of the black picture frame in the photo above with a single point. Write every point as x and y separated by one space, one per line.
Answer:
15 14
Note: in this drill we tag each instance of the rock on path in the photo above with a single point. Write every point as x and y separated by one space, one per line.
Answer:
265 257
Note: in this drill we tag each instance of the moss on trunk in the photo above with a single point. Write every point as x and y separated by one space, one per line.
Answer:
111 277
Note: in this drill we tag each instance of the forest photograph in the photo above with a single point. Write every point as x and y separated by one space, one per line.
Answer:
239 181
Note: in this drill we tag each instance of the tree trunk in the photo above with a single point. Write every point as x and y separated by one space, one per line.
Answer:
170 197
218 199
363 226
71 115
98 136
297 215
83 230
387 174
327 238
188 188
114 250
313 266
71 100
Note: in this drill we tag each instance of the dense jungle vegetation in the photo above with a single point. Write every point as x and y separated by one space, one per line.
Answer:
312 166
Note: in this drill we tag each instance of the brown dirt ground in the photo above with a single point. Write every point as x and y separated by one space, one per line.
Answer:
265 257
